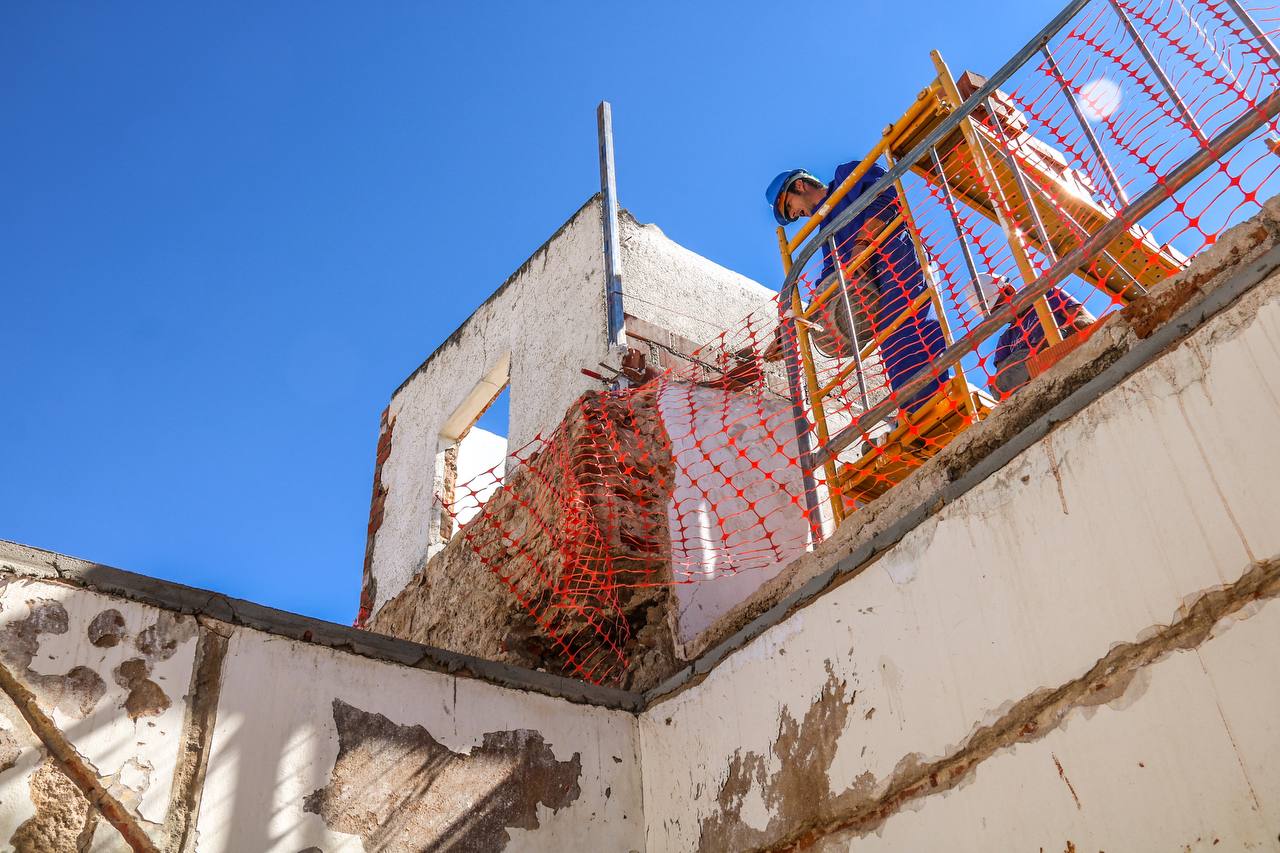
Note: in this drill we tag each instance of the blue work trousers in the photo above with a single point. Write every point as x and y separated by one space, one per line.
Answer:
896 274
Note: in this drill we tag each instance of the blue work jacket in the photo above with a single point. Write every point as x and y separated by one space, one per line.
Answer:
884 208
894 270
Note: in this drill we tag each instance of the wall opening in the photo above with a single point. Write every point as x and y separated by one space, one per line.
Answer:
471 454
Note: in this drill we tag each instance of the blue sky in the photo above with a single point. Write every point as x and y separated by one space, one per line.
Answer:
228 231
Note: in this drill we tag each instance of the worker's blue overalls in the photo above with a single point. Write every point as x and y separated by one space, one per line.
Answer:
1025 336
894 274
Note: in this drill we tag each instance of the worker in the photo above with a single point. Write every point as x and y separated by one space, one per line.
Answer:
1025 335
887 283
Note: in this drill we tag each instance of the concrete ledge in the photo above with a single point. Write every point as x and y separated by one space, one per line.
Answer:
26 562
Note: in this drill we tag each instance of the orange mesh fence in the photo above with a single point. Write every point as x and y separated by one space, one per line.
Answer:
1138 134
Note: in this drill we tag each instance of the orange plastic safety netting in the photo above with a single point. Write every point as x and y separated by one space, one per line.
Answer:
1123 146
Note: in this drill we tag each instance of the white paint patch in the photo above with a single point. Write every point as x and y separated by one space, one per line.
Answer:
482 457
755 813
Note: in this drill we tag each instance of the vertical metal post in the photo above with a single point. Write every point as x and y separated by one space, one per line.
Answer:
609 216
1044 312
955 222
838 263
1154 65
1267 45
1121 197
790 340
931 285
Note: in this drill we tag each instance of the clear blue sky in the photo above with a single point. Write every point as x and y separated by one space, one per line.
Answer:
228 231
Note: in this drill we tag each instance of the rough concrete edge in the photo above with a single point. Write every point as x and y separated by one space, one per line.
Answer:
26 561
198 720
1247 275
457 333
1044 710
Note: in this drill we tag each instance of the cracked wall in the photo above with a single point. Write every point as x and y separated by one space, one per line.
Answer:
213 737
1104 535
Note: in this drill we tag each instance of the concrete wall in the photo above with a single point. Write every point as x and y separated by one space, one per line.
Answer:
219 738
541 327
547 322
681 291
1073 651
1078 653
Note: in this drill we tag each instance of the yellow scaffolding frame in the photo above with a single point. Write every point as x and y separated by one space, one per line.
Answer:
1004 169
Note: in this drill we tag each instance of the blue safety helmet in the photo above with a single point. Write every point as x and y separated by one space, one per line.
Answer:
780 185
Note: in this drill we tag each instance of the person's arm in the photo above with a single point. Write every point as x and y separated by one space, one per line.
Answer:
880 212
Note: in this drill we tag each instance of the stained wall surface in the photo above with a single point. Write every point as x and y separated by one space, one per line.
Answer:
112 675
218 738
1076 654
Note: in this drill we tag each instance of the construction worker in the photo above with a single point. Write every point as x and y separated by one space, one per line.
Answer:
887 284
1025 336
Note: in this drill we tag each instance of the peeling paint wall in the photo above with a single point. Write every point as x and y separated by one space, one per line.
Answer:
112 676
1078 651
344 753
271 744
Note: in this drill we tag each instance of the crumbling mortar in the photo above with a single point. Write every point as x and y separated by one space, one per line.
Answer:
116 583
199 717
1043 711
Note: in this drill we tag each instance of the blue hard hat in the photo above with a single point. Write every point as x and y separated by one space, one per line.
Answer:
780 185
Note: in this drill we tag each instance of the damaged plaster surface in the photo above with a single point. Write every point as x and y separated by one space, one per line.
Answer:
806 812
1105 532
288 769
463 599
397 787
112 677
62 820
1077 654
549 319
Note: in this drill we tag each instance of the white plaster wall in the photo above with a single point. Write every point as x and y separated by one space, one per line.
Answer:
1167 486
680 290
732 519
550 319
136 758
1191 763
276 742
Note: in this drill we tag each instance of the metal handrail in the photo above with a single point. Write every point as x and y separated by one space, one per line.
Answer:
948 126
1233 135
